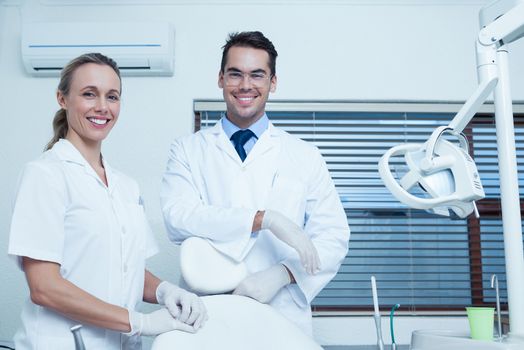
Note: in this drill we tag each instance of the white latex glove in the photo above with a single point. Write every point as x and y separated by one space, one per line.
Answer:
183 305
154 323
264 285
290 233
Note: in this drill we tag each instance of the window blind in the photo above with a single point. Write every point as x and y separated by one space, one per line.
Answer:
420 260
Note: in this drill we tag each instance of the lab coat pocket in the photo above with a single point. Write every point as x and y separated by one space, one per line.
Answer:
288 196
135 232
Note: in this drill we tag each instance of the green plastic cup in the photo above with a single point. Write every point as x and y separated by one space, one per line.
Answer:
481 322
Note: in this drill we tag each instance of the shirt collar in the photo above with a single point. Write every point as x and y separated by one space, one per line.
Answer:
258 127
67 152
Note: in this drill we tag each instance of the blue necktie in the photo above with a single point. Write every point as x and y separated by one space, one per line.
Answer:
240 138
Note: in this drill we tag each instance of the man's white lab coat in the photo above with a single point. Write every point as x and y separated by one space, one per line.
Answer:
207 191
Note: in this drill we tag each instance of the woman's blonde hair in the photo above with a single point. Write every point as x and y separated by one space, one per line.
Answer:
60 125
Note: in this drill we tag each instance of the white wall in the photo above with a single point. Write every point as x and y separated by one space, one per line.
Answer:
328 50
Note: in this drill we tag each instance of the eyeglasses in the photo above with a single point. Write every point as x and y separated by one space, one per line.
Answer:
235 78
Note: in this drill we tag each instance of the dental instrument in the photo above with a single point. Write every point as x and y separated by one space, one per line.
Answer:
79 342
502 22
378 324
391 315
495 284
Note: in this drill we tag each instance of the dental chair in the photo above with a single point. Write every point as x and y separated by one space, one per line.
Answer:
235 322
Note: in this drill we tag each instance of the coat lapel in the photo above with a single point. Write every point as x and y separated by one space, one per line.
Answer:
222 142
268 141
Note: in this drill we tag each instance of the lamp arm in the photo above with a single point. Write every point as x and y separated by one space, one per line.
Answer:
488 77
472 105
507 28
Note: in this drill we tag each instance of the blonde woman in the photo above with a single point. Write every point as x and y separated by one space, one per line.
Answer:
80 234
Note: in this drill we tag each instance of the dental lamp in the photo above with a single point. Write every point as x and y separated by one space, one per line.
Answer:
446 172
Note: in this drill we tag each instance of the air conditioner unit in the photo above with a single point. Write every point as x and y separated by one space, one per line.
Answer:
139 48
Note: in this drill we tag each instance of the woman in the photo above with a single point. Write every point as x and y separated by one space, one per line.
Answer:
80 234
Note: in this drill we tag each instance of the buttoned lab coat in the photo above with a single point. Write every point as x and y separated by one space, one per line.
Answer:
99 235
208 192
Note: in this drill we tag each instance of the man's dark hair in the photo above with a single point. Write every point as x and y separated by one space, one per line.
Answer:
255 40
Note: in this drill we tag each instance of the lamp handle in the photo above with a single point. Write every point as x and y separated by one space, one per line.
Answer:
394 187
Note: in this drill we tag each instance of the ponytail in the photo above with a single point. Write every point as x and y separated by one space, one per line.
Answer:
60 128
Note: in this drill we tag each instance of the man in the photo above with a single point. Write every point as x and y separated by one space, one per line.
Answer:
260 196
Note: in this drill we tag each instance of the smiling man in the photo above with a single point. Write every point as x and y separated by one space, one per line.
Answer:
247 76
256 193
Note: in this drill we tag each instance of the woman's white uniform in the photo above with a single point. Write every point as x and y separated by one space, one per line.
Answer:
207 191
98 234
